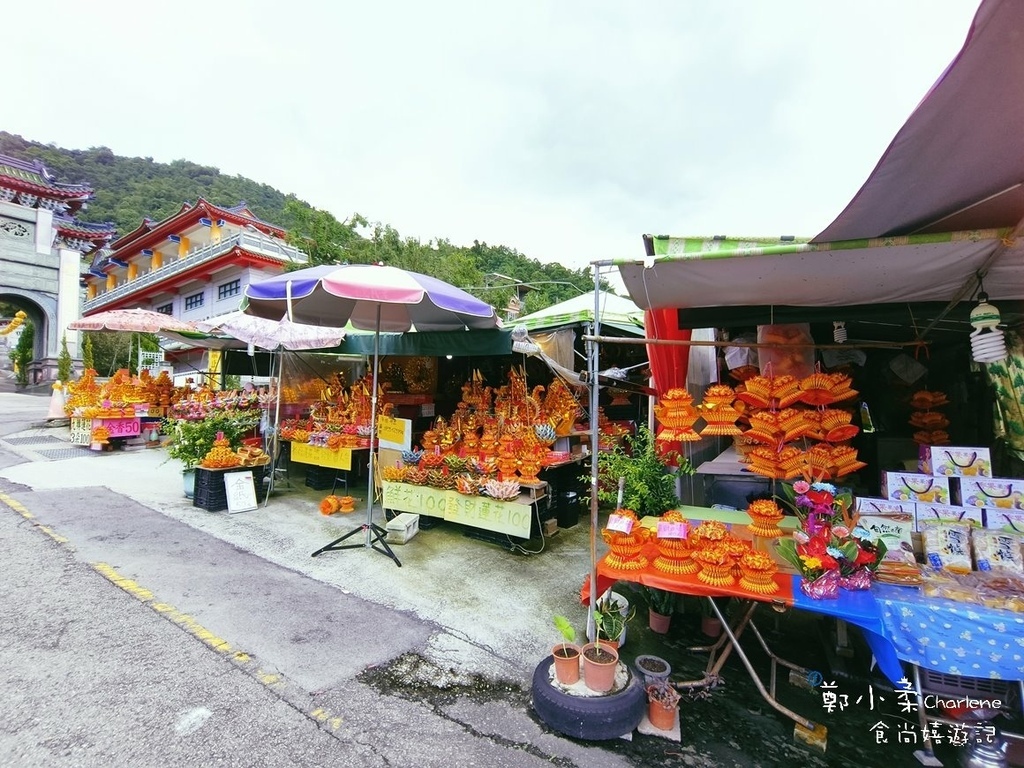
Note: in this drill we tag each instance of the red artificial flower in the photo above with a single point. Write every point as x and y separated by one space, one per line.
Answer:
828 562
864 557
821 498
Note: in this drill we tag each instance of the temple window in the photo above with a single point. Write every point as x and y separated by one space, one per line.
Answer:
165 309
194 301
227 290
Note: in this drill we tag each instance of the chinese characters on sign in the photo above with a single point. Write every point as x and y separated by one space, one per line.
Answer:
510 517
907 730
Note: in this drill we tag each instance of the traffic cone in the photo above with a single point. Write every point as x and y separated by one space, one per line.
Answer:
57 402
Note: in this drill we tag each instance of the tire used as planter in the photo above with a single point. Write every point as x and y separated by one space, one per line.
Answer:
593 718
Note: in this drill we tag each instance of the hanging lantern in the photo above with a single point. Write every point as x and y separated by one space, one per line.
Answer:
839 331
987 342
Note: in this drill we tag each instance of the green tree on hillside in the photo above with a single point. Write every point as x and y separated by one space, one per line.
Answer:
23 352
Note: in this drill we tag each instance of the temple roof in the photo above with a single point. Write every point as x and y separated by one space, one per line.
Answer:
33 176
71 227
151 231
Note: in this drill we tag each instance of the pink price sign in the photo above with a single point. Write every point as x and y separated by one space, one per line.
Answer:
667 530
620 523
121 427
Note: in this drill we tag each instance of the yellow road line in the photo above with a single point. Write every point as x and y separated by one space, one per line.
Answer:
186 622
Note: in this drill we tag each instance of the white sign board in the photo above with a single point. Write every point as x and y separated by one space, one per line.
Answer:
240 490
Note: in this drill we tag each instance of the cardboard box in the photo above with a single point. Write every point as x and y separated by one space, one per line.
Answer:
996 492
909 486
402 528
866 505
948 512
957 461
1004 519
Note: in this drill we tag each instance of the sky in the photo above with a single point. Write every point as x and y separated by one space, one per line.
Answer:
563 129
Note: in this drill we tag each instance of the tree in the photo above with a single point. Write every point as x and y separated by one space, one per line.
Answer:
64 363
87 359
23 353
319 234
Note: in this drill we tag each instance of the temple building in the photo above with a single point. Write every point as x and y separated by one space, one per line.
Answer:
41 250
192 265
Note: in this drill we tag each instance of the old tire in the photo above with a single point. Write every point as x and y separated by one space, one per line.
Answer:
594 718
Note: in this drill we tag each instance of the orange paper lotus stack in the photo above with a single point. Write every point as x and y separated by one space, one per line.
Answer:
674 555
785 410
677 414
625 554
718 412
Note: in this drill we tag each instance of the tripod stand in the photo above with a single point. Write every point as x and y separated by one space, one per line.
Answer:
376 538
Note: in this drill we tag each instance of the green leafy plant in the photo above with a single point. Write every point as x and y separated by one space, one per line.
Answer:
191 440
87 357
23 353
567 631
650 486
609 621
64 361
660 600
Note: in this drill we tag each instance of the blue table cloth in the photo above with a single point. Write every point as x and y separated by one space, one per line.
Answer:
902 625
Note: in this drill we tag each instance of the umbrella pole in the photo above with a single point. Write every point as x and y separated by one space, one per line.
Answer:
376 537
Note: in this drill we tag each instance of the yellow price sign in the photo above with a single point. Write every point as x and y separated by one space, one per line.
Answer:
394 433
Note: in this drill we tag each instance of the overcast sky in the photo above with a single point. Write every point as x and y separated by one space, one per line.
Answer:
564 129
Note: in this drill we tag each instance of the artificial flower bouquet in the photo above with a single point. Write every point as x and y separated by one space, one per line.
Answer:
831 549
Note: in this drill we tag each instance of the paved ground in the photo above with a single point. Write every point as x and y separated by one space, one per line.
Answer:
454 634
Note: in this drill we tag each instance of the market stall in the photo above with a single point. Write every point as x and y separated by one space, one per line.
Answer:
897 311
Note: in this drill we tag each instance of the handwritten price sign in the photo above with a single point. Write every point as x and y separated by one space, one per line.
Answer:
120 427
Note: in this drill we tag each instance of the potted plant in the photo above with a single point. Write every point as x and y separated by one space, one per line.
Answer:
652 668
662 705
710 624
659 605
611 614
650 474
566 654
191 439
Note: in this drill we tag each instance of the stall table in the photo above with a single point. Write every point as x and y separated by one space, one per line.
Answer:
899 624
727 481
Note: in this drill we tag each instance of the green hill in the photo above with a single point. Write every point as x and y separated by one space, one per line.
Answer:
130 189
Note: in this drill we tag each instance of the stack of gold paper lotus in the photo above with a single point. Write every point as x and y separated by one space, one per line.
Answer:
769 391
826 388
715 565
778 464
394 474
758 573
717 410
736 549
765 516
837 426
708 532
845 460
677 414
625 554
674 554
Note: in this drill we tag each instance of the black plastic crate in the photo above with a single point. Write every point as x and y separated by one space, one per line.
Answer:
320 478
210 493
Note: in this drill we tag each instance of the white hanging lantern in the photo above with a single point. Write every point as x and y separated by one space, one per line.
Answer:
987 342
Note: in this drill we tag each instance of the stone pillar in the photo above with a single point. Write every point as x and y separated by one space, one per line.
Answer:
69 298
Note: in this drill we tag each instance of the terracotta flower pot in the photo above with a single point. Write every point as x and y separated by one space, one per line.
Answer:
659 622
567 663
599 667
662 716
710 626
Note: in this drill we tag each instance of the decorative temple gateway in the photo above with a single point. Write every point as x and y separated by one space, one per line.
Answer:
192 265
41 247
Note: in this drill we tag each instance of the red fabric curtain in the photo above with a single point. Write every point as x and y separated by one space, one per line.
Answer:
668 363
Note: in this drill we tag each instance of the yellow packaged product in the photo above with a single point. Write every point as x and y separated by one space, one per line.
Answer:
947 546
997 550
